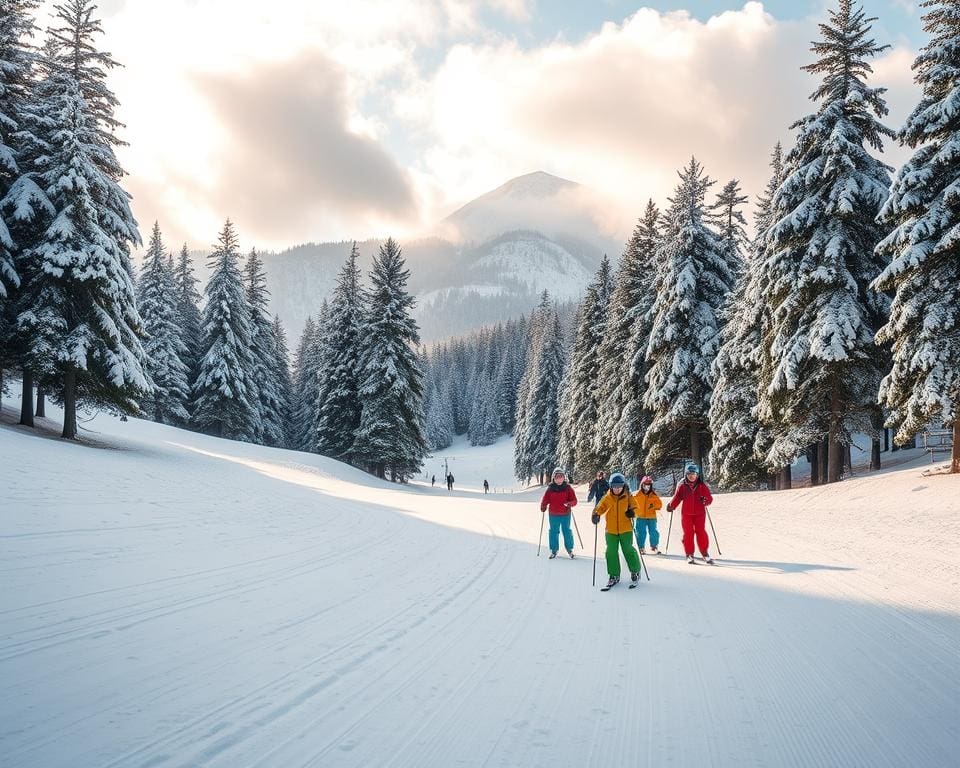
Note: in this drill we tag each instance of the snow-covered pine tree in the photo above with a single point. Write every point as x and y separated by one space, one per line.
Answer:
225 392
306 368
580 407
337 416
188 307
439 416
84 314
484 420
163 345
16 60
522 457
729 222
543 413
824 369
270 402
623 419
923 248
24 207
510 372
281 374
390 435
734 426
685 332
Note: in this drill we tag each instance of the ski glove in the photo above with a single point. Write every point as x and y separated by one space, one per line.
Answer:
703 500
594 519
631 513
669 508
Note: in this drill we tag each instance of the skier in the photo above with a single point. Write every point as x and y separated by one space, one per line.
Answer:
486 486
560 498
620 510
598 488
694 496
433 481
647 505
450 481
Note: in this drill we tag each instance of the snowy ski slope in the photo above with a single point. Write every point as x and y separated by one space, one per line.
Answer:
174 600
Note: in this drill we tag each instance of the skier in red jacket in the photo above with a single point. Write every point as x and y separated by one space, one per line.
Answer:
693 497
560 498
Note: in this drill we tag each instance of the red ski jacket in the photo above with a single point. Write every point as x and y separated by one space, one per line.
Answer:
559 499
695 498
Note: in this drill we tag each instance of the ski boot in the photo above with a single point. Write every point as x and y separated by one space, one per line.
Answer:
654 551
570 552
690 559
612 583
635 576
707 559
553 553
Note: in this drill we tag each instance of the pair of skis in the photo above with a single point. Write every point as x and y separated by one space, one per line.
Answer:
633 585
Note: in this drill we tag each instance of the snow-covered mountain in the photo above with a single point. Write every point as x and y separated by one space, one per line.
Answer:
490 260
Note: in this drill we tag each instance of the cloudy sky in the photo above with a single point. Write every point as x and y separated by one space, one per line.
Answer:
340 119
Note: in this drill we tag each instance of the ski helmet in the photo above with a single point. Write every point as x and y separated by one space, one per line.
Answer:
616 480
691 467
558 471
647 480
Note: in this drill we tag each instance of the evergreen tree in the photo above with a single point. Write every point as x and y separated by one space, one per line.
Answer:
579 448
82 321
729 222
523 457
685 331
164 348
338 407
734 426
281 374
225 393
623 367
484 420
824 369
390 436
188 308
24 207
543 417
439 418
923 250
270 402
306 370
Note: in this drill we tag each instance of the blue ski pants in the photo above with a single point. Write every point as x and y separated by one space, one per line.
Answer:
644 524
558 523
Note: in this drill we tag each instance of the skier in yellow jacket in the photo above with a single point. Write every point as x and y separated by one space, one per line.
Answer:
619 508
648 504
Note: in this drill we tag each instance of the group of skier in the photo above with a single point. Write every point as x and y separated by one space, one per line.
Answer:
630 515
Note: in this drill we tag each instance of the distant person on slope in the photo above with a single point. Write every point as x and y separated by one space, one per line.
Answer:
619 508
598 488
560 499
450 481
433 481
648 504
486 486
693 497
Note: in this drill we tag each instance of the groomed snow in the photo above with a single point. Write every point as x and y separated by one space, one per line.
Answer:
175 600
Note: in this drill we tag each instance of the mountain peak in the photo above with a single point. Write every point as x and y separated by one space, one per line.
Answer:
536 184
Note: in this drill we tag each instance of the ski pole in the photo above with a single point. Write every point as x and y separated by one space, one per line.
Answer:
543 515
669 527
643 562
710 520
595 527
577 529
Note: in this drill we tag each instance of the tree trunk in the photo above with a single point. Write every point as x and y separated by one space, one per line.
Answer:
772 478
834 449
41 403
886 440
70 403
848 459
875 455
26 399
955 454
786 478
814 456
822 452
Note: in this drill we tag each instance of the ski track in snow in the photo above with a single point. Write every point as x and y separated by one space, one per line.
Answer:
187 601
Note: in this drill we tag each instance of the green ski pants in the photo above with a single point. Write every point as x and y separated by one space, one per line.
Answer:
615 542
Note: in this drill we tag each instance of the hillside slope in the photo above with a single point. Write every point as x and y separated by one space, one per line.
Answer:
175 600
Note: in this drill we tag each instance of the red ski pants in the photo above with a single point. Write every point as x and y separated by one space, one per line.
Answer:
693 525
